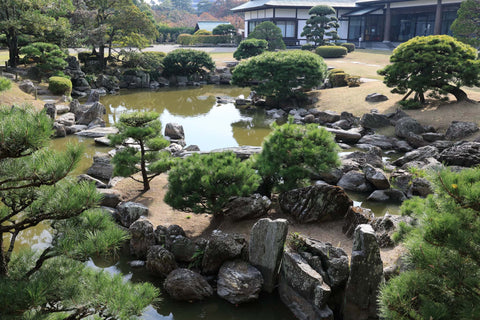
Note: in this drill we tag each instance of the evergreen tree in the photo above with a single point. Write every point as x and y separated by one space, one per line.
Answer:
293 153
268 31
322 18
144 129
466 26
443 259
35 189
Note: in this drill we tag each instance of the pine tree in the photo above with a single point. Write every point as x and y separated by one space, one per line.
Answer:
321 20
35 189
144 129
443 280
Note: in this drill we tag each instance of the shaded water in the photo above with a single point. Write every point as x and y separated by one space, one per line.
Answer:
210 126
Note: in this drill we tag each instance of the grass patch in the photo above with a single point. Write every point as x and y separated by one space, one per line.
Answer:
3 57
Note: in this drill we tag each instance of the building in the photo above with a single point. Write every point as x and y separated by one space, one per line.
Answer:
365 20
209 25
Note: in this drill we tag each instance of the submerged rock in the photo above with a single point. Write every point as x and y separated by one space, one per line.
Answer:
239 282
187 285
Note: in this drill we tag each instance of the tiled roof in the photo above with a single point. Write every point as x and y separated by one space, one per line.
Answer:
256 4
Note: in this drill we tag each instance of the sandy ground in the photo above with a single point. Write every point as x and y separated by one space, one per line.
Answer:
201 225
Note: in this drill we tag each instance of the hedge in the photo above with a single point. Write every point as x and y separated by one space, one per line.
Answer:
331 51
60 85
350 46
189 40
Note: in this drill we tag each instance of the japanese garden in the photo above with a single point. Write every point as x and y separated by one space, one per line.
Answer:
189 160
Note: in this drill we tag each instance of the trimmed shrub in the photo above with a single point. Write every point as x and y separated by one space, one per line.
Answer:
186 62
267 30
205 183
353 81
202 32
336 70
350 46
281 75
60 85
224 30
338 79
5 84
331 51
184 39
47 57
250 48
189 40
151 62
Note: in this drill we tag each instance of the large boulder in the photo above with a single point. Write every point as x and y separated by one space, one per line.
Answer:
267 239
327 116
378 140
387 195
110 197
376 177
142 237
220 248
239 282
186 285
96 111
130 211
67 119
110 83
27 86
407 125
51 111
183 248
97 132
376 97
355 181
417 155
320 202
460 129
160 261
174 131
249 207
302 289
346 136
465 154
366 275
101 167
373 156
386 226
374 121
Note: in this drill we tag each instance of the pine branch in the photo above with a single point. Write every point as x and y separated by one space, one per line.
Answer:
43 257
10 247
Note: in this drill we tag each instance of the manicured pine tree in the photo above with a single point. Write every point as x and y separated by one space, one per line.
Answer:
322 18
144 129
35 188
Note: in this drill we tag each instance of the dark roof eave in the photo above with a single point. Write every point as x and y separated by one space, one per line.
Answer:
267 6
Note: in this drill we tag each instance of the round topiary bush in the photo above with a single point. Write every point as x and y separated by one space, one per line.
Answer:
60 85
331 51
350 46
202 32
308 47
338 79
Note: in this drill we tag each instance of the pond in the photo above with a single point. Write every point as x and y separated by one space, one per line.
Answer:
208 125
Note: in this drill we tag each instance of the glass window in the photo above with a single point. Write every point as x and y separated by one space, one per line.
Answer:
287 28
355 28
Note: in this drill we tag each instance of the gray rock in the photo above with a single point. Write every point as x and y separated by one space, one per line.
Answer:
417 155
298 275
460 129
366 275
51 111
386 226
161 236
254 206
242 152
309 118
432 136
239 282
27 86
102 141
373 157
110 197
220 248
342 124
401 179
376 97
62 108
416 140
347 136
160 261
142 237
75 128
355 181
98 132
267 239
392 195
97 110
374 121
355 217
93 97
175 230
377 140
110 83
421 187
402 146
327 116
183 248
407 125
137 263
101 167
186 285
59 130
129 212
174 131
321 202
376 177
425 164
465 154
332 176
67 119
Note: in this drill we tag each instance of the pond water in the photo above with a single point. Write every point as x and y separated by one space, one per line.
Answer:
208 125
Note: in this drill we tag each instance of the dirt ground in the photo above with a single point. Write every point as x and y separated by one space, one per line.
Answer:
201 225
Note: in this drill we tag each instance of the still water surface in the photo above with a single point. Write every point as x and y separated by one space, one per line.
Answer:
208 125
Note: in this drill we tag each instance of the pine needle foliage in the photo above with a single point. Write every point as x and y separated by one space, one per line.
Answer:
204 183
443 281
35 188
322 22
144 129
293 153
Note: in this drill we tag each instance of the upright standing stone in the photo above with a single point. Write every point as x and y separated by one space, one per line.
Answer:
366 275
267 239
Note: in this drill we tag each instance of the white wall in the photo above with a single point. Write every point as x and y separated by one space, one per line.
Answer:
285 13
343 30
301 25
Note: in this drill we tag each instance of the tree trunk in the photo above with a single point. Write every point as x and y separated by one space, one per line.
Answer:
101 56
3 262
459 94
12 43
146 183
